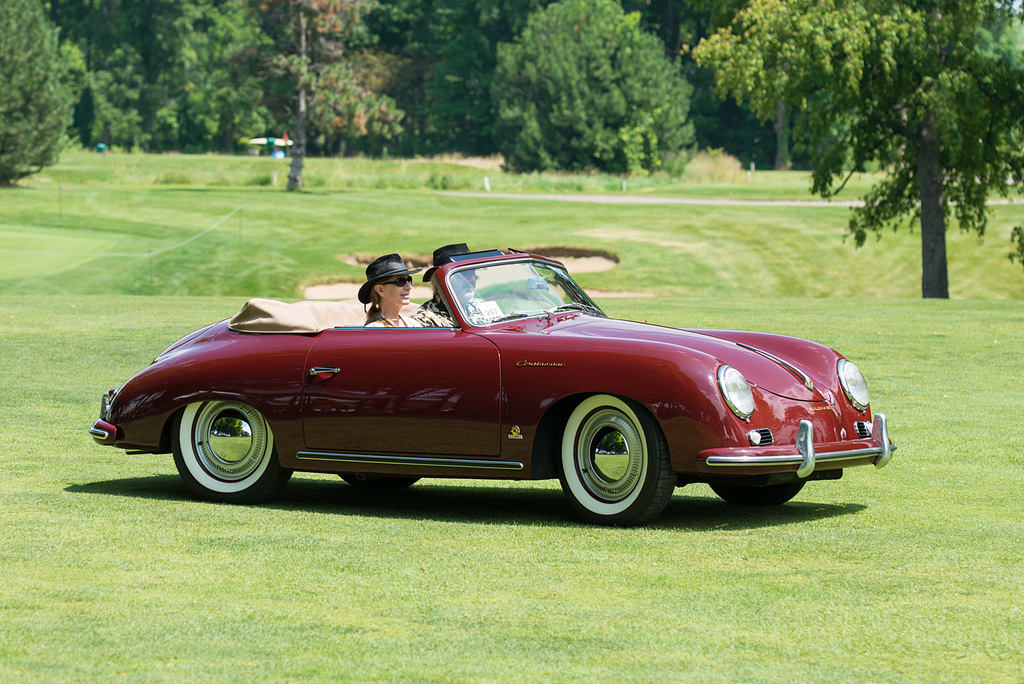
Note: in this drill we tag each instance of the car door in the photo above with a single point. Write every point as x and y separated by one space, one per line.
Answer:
402 391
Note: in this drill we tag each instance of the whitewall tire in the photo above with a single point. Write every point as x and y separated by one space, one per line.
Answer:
224 451
615 467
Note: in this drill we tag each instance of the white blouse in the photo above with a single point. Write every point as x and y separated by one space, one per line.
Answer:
408 323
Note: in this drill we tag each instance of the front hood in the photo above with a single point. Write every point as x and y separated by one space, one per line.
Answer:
763 370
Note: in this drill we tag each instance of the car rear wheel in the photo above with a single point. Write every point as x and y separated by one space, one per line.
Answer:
224 451
615 466
744 495
375 482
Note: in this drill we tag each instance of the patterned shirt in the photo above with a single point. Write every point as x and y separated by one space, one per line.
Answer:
434 314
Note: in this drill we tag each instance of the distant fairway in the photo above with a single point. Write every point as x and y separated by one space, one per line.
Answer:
278 243
31 251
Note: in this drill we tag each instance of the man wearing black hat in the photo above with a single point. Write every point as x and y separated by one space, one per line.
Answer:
433 313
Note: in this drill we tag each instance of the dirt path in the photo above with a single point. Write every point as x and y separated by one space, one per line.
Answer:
707 201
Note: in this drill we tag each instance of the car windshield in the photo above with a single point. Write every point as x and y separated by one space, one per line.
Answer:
509 290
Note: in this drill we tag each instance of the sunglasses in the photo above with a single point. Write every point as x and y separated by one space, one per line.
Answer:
400 282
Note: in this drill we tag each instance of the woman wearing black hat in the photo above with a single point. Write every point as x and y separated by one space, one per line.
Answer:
387 289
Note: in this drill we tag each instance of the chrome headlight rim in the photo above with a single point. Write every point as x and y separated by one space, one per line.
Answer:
736 392
855 387
106 400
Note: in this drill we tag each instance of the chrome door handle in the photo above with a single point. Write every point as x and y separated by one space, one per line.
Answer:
320 370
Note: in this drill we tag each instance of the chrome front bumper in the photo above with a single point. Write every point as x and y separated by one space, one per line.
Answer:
805 457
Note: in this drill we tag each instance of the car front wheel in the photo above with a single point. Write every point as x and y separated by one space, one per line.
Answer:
744 495
615 465
224 451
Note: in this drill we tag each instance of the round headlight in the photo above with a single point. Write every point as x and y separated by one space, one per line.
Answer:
854 384
736 391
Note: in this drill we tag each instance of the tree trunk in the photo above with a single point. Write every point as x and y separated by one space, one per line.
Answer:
781 137
299 146
934 276
228 141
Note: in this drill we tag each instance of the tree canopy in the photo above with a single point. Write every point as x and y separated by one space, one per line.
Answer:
920 87
402 76
308 41
35 102
585 88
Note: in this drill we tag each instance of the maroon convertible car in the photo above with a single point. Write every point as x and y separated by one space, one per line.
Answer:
533 382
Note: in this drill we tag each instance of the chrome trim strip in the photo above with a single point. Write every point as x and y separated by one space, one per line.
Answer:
418 461
318 370
96 432
785 364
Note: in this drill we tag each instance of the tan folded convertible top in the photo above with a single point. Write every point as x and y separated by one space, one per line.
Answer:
271 316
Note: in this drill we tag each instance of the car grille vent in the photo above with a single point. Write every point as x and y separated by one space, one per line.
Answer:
863 429
766 436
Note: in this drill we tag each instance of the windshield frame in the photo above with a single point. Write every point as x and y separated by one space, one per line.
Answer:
459 305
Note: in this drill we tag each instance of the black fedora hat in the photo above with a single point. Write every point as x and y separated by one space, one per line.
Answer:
380 268
442 255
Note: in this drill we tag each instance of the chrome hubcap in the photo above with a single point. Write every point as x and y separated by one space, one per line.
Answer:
610 453
230 439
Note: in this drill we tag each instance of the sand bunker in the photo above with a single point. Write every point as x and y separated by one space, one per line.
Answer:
576 260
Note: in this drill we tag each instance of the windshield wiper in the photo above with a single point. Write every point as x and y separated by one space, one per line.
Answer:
514 315
578 306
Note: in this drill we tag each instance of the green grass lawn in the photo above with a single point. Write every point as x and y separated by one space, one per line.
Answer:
909 572
112 571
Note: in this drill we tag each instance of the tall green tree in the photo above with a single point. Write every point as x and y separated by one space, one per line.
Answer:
126 47
313 80
585 88
212 94
914 85
346 110
401 57
165 74
35 102
462 115
717 122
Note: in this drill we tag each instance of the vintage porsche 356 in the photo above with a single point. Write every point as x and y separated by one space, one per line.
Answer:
532 382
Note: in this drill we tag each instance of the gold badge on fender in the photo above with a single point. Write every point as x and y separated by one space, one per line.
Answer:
515 433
